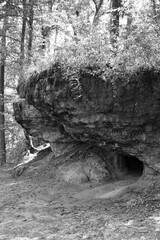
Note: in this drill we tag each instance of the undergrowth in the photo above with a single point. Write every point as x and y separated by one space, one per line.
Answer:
137 50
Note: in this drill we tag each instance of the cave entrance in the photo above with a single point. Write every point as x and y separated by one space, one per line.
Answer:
130 165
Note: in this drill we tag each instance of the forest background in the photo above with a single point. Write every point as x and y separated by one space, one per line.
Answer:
112 34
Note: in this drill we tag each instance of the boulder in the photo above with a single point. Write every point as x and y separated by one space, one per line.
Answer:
90 169
111 112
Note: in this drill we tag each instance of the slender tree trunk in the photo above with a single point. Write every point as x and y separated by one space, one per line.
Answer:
45 30
30 22
22 45
129 23
129 19
50 4
55 39
45 33
154 9
24 21
114 21
98 6
2 80
2 119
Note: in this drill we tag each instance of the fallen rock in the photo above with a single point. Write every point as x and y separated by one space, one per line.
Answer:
72 173
92 168
95 168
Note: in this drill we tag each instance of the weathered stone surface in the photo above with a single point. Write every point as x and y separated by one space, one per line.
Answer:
95 168
116 112
72 173
90 169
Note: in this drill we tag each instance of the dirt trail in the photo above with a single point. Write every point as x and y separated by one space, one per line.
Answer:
36 206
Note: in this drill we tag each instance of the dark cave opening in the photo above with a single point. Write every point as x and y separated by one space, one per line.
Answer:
130 165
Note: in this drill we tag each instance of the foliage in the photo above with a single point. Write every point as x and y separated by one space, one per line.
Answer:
139 47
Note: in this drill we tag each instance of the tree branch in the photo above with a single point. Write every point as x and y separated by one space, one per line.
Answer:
97 7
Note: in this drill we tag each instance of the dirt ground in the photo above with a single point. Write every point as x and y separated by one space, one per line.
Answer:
37 206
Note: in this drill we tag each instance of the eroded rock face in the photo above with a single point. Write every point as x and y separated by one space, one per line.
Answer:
90 169
112 113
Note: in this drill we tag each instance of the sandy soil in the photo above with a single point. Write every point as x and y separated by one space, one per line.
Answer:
37 206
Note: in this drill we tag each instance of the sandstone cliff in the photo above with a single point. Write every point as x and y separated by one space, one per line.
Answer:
113 114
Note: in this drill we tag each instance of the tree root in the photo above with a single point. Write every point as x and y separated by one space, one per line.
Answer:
20 168
31 159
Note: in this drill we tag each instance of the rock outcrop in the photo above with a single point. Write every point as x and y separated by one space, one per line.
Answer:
110 113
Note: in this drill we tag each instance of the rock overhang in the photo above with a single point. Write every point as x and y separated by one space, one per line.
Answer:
119 111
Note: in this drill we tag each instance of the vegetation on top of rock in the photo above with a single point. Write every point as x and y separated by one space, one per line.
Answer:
60 72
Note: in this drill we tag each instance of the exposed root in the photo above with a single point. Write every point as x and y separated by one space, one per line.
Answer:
32 158
42 153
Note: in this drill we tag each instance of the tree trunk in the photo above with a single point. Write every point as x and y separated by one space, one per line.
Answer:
156 11
45 30
55 39
45 33
98 6
50 4
2 80
129 23
30 22
129 26
114 21
2 119
24 20
22 45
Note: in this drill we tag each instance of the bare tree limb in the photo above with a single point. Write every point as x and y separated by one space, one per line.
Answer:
97 7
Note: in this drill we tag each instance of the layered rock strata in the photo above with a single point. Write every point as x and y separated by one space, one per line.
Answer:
109 112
